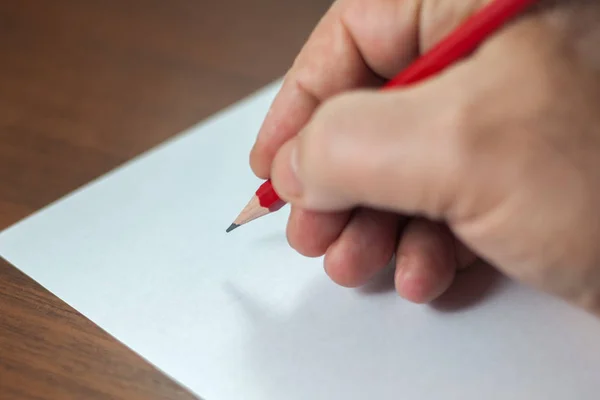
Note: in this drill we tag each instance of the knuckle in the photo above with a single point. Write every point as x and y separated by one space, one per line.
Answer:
459 125
478 133
469 155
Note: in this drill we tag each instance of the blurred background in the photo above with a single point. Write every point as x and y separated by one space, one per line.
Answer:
86 85
115 77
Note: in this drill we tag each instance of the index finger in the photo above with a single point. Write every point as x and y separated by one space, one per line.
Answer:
356 44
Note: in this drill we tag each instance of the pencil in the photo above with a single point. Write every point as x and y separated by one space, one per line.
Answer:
460 43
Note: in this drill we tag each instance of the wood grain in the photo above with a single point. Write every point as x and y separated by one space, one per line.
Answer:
84 87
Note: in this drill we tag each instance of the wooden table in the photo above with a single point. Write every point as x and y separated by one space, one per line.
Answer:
86 85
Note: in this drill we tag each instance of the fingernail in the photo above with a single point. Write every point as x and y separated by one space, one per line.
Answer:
293 185
400 270
410 282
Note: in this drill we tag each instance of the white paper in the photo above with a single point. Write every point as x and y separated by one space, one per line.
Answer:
143 253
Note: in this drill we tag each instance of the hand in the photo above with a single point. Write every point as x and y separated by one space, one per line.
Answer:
498 156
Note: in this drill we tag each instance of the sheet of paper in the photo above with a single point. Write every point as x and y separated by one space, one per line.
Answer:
143 253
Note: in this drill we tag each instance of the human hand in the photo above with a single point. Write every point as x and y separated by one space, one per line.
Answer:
498 156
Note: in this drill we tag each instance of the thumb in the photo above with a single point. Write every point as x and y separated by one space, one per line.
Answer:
388 150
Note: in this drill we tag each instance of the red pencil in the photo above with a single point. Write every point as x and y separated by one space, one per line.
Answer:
454 47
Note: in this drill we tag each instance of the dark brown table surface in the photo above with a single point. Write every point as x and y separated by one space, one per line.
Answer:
86 85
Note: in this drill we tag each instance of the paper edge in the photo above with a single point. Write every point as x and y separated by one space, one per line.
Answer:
147 153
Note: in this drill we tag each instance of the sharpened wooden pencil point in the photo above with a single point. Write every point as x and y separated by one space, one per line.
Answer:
232 227
251 212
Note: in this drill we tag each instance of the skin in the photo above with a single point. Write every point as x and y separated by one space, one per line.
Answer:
497 158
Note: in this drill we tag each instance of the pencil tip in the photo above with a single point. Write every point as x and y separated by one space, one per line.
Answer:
232 227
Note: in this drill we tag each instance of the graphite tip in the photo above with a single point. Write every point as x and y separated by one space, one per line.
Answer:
232 227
